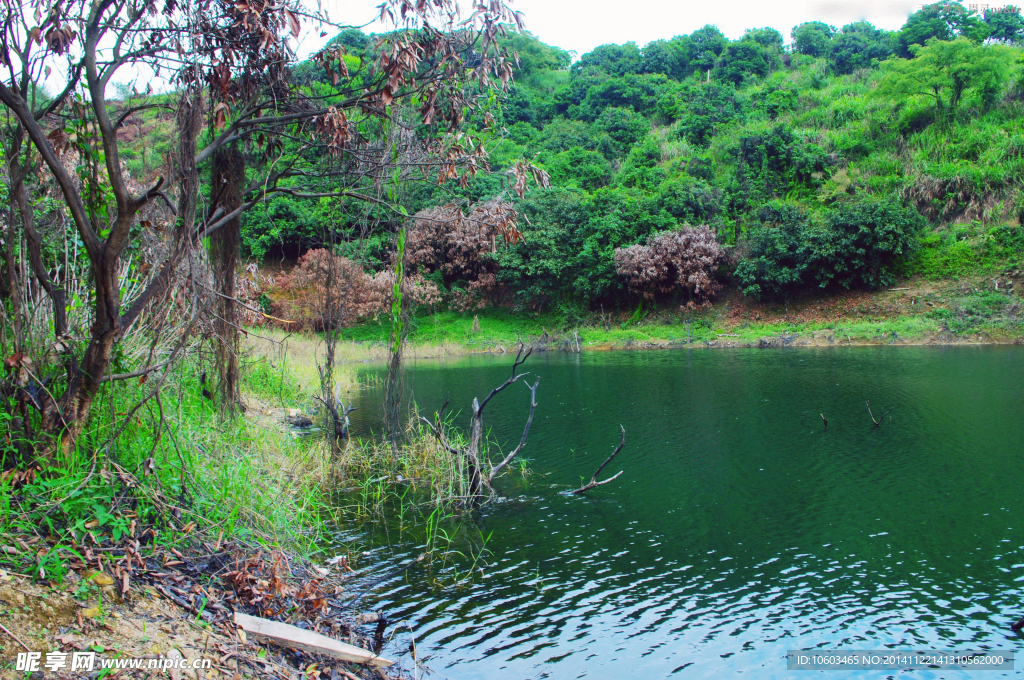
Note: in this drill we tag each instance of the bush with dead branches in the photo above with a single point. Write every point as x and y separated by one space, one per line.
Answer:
301 291
671 261
460 248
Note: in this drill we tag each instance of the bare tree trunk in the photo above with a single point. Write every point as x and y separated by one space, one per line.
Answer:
34 243
331 319
228 176
21 213
476 433
189 120
13 285
394 383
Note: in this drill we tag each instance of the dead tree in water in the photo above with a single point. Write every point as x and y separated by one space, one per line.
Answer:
337 417
470 456
593 480
878 423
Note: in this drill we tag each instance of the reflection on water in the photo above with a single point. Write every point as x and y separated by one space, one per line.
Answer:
740 528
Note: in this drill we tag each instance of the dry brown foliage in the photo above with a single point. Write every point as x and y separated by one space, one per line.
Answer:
955 198
459 246
300 292
673 260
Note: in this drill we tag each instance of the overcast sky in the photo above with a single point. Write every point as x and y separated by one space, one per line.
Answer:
582 26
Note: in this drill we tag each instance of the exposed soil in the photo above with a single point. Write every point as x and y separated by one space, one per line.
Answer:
144 625
168 613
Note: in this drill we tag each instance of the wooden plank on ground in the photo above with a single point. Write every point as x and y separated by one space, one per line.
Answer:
291 636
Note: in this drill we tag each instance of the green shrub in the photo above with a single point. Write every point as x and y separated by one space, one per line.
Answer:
585 169
861 243
777 258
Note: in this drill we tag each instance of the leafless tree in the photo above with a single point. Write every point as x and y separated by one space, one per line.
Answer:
878 422
479 483
593 483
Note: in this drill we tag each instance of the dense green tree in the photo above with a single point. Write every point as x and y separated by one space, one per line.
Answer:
706 106
943 20
624 126
777 162
688 200
580 167
563 134
813 38
862 243
1006 25
776 261
857 45
707 44
944 71
765 37
640 92
615 60
519 106
534 56
355 41
640 168
747 59
668 57
540 267
774 100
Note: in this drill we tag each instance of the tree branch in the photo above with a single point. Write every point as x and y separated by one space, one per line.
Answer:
593 483
520 358
878 423
526 430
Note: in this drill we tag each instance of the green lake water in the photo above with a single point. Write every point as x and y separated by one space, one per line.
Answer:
740 528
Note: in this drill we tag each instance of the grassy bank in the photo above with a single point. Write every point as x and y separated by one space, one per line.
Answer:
174 470
920 310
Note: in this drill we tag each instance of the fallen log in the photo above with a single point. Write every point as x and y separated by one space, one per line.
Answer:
293 637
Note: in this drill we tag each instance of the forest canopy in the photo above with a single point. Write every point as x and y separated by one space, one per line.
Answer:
700 131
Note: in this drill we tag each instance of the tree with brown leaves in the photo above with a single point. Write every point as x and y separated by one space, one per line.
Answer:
460 246
401 114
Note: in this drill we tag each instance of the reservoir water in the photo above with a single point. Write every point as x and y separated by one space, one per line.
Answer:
740 527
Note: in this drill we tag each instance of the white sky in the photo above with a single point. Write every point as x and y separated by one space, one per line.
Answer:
581 26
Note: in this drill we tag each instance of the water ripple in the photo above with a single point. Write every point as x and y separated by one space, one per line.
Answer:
741 528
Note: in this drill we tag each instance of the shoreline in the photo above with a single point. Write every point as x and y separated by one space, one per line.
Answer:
917 312
356 352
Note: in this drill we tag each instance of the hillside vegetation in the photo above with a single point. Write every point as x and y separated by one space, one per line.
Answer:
827 160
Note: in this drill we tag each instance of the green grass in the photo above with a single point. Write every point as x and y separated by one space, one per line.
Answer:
968 250
985 311
499 327
199 475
